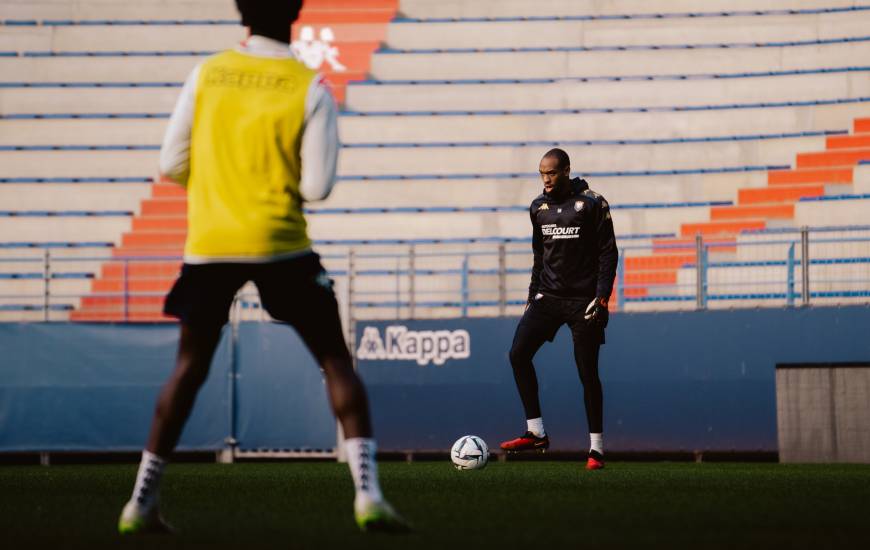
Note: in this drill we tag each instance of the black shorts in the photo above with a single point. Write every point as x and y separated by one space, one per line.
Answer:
297 291
544 316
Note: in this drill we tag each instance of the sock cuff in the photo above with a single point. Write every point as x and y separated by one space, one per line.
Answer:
148 456
596 442
360 441
536 426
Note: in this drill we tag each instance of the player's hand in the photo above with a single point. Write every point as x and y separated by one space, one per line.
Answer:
596 311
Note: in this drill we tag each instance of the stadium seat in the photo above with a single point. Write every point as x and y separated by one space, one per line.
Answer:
606 32
120 9
732 120
601 125
530 95
503 63
426 9
80 196
58 226
103 69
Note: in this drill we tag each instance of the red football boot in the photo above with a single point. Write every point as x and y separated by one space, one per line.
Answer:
526 442
595 461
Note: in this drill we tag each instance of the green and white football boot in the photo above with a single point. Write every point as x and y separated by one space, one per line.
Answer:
379 516
137 520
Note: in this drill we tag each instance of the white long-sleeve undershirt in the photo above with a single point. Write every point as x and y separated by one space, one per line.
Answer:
319 139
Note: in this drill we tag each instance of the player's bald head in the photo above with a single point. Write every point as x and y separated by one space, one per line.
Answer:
555 170
560 156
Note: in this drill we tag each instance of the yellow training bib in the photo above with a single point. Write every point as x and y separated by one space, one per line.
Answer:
245 167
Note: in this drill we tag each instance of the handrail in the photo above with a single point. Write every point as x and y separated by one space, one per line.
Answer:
473 276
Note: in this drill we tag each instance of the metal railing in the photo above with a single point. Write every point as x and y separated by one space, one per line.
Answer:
460 279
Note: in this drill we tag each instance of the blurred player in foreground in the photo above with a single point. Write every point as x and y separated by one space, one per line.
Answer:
575 259
254 136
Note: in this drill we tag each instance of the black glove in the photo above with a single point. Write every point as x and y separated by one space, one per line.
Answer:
596 312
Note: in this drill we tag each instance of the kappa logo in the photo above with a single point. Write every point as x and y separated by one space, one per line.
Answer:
544 206
424 346
315 53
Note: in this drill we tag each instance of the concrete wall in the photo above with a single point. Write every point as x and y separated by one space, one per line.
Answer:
823 412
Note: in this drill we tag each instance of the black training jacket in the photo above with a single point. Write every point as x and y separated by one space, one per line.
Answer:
574 244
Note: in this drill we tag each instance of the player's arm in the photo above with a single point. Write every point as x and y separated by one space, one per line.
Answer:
175 151
608 258
538 253
608 254
319 143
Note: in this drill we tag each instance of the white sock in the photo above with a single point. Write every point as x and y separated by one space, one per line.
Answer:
147 488
536 426
596 443
363 468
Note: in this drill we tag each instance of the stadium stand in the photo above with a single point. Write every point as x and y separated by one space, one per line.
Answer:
733 120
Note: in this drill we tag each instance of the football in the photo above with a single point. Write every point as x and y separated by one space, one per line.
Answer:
469 453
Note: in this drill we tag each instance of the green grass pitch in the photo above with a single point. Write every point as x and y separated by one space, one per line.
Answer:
507 505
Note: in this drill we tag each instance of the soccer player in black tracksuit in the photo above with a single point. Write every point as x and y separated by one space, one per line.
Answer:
572 278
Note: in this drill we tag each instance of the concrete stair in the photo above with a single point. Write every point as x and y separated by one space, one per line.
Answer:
132 288
816 174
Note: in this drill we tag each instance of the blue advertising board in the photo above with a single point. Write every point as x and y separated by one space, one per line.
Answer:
672 381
